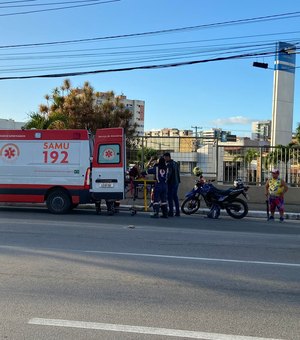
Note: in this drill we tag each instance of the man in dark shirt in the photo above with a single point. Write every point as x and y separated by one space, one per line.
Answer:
173 184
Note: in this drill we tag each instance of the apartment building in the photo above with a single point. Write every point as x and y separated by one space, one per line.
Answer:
169 139
137 107
261 130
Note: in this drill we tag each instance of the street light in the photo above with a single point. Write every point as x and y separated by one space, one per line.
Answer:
261 65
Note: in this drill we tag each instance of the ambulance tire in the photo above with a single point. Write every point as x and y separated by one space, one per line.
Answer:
58 202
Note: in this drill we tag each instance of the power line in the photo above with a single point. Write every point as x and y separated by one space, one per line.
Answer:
126 57
129 56
14 2
59 8
45 4
135 59
141 54
144 67
96 52
171 30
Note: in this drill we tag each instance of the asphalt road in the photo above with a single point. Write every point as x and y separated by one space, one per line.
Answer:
83 276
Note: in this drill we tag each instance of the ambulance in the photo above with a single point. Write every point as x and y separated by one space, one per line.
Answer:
62 168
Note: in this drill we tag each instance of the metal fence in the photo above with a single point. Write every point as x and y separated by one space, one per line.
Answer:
224 162
253 164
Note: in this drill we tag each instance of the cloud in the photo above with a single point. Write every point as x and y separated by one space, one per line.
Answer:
240 120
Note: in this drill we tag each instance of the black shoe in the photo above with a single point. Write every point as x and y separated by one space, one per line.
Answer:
164 216
155 215
170 214
177 214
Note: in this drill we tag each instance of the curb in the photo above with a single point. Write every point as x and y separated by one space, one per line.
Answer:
140 208
203 211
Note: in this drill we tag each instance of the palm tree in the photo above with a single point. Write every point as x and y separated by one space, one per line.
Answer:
251 155
66 86
280 155
37 121
247 158
78 109
43 122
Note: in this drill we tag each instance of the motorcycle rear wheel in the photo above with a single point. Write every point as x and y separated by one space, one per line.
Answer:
237 208
190 205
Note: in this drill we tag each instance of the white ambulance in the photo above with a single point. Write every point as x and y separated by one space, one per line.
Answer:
63 168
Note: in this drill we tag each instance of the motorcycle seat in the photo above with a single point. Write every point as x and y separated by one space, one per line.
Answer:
221 192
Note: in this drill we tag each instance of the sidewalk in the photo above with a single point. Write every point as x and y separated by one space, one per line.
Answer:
257 210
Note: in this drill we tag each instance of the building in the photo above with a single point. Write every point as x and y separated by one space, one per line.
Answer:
216 134
172 140
10 124
167 132
261 130
283 94
211 134
136 107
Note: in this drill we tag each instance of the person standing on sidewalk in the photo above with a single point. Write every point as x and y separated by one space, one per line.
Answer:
275 190
173 184
160 171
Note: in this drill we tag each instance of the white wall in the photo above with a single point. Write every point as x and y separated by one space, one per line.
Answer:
10 124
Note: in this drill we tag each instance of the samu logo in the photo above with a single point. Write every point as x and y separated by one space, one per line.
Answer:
9 152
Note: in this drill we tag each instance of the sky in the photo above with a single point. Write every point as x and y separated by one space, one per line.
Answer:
42 38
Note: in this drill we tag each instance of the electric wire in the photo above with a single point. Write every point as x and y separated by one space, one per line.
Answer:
59 8
157 32
134 55
46 4
19 1
143 67
140 55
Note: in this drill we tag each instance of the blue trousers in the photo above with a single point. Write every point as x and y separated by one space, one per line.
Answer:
160 193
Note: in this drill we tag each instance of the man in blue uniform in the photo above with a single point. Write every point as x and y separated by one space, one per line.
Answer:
160 171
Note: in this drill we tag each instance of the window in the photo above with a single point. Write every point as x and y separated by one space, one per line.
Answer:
109 154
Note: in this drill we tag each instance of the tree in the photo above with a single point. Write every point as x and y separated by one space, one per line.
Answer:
44 122
247 158
281 155
298 133
251 155
145 154
78 108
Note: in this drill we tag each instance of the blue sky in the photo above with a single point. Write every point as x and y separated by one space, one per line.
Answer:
227 94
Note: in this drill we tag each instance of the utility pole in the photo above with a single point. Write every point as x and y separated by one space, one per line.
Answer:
196 129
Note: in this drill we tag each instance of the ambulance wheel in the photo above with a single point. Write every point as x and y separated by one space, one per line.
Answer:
58 202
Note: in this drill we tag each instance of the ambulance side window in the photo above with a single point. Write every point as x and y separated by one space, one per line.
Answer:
109 154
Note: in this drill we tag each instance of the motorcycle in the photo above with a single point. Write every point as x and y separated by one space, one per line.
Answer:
217 199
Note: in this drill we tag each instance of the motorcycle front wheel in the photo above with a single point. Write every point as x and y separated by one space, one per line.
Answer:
190 205
237 208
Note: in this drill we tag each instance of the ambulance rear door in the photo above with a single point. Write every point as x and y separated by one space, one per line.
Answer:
108 165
